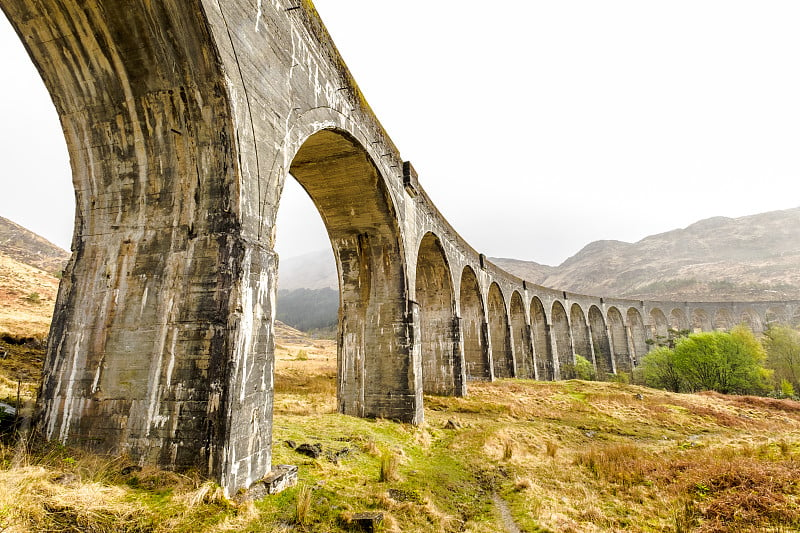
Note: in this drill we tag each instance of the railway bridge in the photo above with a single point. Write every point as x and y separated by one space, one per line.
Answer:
183 120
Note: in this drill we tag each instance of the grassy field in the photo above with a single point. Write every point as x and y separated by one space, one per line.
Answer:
513 456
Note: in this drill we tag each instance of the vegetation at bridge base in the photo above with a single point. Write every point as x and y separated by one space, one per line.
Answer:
783 357
727 362
734 362
579 456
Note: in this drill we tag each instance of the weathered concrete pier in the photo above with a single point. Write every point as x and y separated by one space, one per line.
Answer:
183 119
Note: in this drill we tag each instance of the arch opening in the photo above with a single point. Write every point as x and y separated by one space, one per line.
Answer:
678 323
619 341
700 321
660 327
751 319
562 342
638 334
499 334
439 349
542 348
521 334
775 316
604 360
376 367
581 336
473 328
723 320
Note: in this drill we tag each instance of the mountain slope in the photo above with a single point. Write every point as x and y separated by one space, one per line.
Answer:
29 248
28 282
749 258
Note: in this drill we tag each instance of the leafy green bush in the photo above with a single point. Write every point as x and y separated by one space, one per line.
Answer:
726 362
584 369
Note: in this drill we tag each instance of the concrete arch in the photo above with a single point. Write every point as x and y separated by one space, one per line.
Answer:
660 325
348 190
603 357
474 330
723 320
563 353
678 321
442 370
752 320
700 320
521 334
581 336
541 341
638 334
775 316
619 341
499 334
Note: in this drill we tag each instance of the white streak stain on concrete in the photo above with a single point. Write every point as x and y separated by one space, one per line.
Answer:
171 364
68 401
246 324
258 15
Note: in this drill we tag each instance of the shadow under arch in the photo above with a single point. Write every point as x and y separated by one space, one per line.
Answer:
542 343
379 375
638 335
442 368
521 335
619 341
499 334
660 326
581 336
604 358
474 329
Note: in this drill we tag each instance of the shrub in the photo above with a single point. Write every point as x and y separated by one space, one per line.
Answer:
34 297
584 369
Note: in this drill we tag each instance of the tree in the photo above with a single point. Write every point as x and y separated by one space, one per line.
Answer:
658 370
783 354
724 362
731 363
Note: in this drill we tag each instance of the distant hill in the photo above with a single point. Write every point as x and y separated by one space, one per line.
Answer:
315 270
29 248
309 309
748 258
28 282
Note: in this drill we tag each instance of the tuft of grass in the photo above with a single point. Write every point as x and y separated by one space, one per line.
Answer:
551 448
303 505
390 467
508 449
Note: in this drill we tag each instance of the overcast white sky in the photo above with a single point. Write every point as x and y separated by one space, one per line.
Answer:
536 126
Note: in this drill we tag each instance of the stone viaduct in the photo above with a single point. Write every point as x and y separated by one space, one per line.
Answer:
183 119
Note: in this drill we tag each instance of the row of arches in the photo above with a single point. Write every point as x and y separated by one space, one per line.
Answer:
472 331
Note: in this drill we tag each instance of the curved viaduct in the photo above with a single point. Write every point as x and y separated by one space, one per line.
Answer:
183 119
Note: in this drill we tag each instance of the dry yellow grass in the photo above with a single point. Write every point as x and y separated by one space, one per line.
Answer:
20 314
